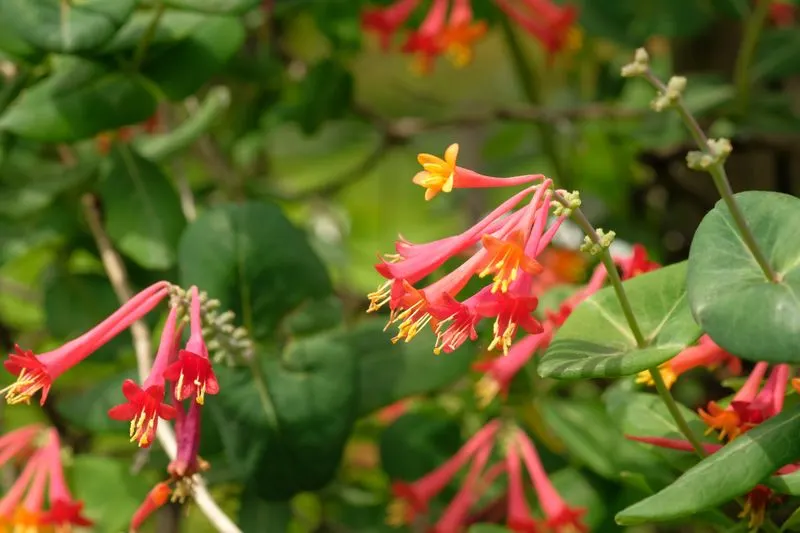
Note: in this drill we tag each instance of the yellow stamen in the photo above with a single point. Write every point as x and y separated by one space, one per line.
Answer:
504 338
486 390
380 297
397 513
201 391
412 320
455 337
23 388
667 374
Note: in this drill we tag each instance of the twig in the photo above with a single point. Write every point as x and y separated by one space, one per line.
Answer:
115 269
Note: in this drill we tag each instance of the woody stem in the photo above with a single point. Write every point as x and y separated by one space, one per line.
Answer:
616 282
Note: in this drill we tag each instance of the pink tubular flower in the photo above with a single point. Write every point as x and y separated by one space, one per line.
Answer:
426 41
145 404
413 498
559 516
455 516
155 499
192 373
443 175
499 371
187 462
64 511
24 514
37 372
518 517
18 442
706 354
548 23
386 21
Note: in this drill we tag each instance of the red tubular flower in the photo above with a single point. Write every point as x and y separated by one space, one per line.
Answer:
706 354
548 23
386 21
18 442
145 404
782 14
426 41
12 508
728 420
518 517
559 516
413 498
187 462
36 373
443 175
461 33
64 511
674 444
637 263
455 516
192 373
155 499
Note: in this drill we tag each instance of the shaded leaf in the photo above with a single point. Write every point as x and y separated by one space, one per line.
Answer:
172 26
251 258
55 109
88 409
180 70
214 6
143 213
417 443
596 340
729 295
67 27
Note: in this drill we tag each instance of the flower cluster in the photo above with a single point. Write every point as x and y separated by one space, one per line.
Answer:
752 404
413 499
39 499
449 27
189 372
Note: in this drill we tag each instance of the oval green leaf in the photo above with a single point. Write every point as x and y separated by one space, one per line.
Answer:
67 27
596 341
251 258
54 110
214 6
729 295
724 475
143 211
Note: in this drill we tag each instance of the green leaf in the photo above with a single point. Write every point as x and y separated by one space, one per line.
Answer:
214 6
163 146
417 443
254 261
596 341
173 26
297 411
324 93
793 522
14 45
180 70
579 492
592 437
724 475
389 372
729 295
776 54
645 415
254 513
110 493
88 409
142 211
488 528
67 27
786 484
55 110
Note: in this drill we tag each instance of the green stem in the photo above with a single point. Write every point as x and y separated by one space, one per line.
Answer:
616 282
144 44
752 32
530 82
720 178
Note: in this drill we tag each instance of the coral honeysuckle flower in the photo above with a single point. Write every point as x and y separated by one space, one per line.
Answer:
413 498
706 354
637 263
461 33
192 373
443 175
145 404
21 506
499 372
782 13
559 516
155 499
386 21
507 258
426 41
550 24
64 511
518 516
18 442
728 420
187 461
37 372
456 513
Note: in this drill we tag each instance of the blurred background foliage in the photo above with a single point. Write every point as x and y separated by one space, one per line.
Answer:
264 150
